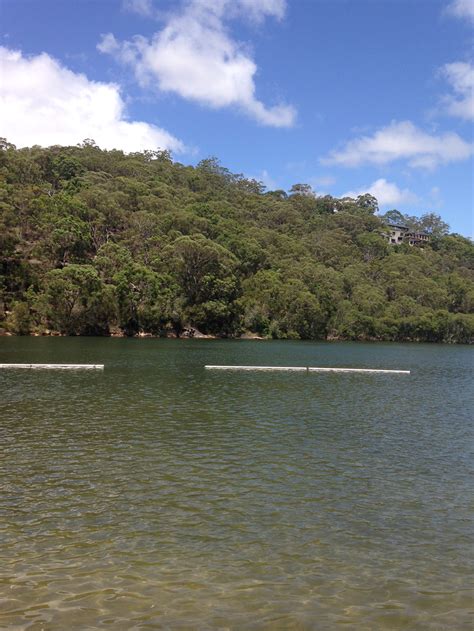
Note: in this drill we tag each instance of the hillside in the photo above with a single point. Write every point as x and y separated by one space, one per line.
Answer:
94 242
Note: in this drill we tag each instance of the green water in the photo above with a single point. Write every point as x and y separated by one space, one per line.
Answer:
158 495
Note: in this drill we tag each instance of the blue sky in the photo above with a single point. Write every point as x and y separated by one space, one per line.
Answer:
347 95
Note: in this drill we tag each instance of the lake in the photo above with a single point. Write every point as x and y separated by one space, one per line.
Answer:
159 495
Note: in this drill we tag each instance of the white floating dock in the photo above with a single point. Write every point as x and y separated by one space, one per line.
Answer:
56 366
307 369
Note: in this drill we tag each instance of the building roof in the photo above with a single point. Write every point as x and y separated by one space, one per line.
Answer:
397 225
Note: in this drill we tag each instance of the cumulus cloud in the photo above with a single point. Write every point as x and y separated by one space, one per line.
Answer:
402 141
44 103
460 75
256 10
195 57
142 7
323 180
387 193
462 9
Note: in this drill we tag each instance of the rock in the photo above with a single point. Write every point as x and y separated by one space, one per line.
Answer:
191 331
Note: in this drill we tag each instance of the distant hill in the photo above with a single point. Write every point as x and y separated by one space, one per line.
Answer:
96 242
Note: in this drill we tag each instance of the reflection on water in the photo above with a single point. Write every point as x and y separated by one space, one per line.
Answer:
160 496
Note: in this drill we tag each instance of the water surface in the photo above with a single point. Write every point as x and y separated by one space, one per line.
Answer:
158 495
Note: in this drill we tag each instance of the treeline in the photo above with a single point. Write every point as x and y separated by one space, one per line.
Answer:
94 242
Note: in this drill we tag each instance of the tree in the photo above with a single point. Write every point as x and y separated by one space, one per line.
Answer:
294 311
373 246
198 265
92 239
394 217
305 190
75 301
368 202
66 239
19 319
432 224
144 299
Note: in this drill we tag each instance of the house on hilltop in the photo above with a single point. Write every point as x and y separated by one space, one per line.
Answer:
400 233
397 232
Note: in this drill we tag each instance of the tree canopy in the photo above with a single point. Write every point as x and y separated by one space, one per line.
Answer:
94 242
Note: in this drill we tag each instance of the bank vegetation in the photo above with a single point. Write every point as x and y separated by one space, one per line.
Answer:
97 242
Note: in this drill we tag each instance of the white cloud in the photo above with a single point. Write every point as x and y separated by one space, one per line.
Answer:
387 193
142 7
462 9
265 178
461 77
255 10
194 56
44 103
435 197
323 180
402 141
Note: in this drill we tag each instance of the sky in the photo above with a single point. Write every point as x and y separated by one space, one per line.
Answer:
349 96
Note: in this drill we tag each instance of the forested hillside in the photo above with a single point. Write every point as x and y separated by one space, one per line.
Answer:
94 242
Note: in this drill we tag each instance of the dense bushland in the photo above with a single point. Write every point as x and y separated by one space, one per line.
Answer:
97 241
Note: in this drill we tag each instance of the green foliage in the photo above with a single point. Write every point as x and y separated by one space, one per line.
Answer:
74 301
93 241
144 299
431 223
19 319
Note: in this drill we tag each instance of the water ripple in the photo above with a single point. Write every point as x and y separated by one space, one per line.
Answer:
160 496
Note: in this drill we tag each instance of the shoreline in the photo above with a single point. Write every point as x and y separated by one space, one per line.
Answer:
245 336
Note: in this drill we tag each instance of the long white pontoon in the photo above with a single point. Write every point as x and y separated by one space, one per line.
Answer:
55 366
307 369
